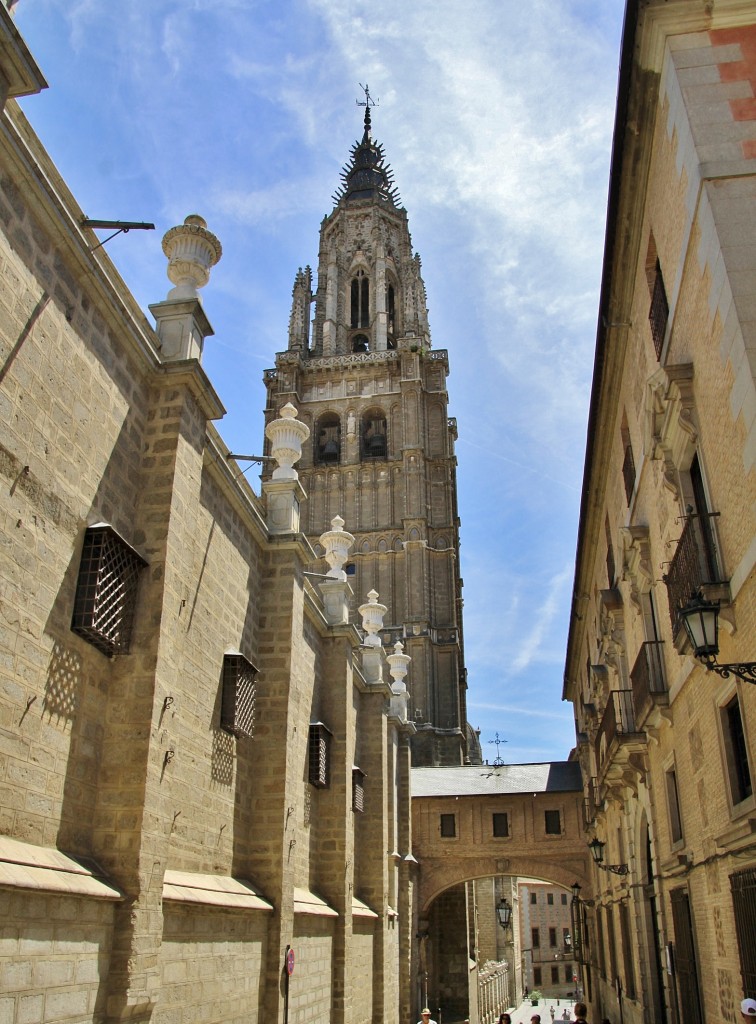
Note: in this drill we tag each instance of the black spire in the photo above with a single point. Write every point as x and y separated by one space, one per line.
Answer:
367 175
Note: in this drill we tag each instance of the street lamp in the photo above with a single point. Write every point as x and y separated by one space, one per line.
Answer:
597 851
701 621
504 913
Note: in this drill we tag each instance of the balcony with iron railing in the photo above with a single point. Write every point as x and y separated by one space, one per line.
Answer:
694 567
618 736
658 313
648 680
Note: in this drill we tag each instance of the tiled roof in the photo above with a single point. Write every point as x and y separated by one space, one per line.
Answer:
484 779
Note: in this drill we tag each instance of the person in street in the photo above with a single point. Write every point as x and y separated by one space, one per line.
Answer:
580 1013
748 1010
425 1017
565 1014
552 1011
504 1018
535 1019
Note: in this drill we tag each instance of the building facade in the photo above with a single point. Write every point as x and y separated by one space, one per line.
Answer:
366 381
546 930
666 744
204 762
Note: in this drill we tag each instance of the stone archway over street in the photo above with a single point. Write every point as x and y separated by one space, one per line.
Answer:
488 821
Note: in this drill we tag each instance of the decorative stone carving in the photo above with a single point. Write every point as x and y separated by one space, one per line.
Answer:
286 436
372 619
191 250
336 544
670 431
637 561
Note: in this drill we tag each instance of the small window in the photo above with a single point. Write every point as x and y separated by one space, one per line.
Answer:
564 899
552 938
553 823
555 975
106 590
501 824
537 977
358 790
239 693
550 898
568 974
535 938
448 826
319 755
534 897
736 752
658 313
673 806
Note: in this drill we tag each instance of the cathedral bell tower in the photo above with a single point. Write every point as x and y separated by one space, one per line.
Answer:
365 379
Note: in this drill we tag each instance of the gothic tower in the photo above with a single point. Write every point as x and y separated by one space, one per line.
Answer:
372 390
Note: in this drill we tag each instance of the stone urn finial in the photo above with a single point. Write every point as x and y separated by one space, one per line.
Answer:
191 250
336 543
372 619
398 665
286 436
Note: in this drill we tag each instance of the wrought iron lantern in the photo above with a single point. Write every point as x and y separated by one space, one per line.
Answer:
701 620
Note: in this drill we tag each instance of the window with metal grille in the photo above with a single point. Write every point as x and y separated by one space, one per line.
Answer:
564 899
553 822
358 789
550 898
239 694
658 313
534 897
743 886
500 824
319 760
448 826
568 973
554 975
535 938
106 590
537 976
552 937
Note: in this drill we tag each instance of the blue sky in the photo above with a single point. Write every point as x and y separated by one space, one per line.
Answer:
496 117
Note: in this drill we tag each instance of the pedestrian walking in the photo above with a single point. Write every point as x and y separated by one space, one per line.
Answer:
425 1017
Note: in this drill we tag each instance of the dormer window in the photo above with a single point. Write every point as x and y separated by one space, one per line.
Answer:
328 439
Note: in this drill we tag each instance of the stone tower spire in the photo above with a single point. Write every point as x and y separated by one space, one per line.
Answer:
368 384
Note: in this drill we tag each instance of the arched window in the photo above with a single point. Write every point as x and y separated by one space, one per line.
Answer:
360 300
390 316
328 439
374 435
360 343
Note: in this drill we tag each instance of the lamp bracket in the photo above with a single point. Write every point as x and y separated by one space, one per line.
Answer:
745 670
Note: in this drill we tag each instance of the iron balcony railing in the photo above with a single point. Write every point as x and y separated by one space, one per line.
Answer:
647 677
693 564
617 721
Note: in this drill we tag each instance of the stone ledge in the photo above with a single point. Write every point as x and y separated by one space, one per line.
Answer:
23 866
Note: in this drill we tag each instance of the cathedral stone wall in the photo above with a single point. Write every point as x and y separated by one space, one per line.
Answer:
156 861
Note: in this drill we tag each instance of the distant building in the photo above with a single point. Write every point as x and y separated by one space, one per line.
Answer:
546 937
668 524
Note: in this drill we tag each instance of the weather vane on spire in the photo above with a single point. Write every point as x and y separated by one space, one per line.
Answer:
369 101
367 104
